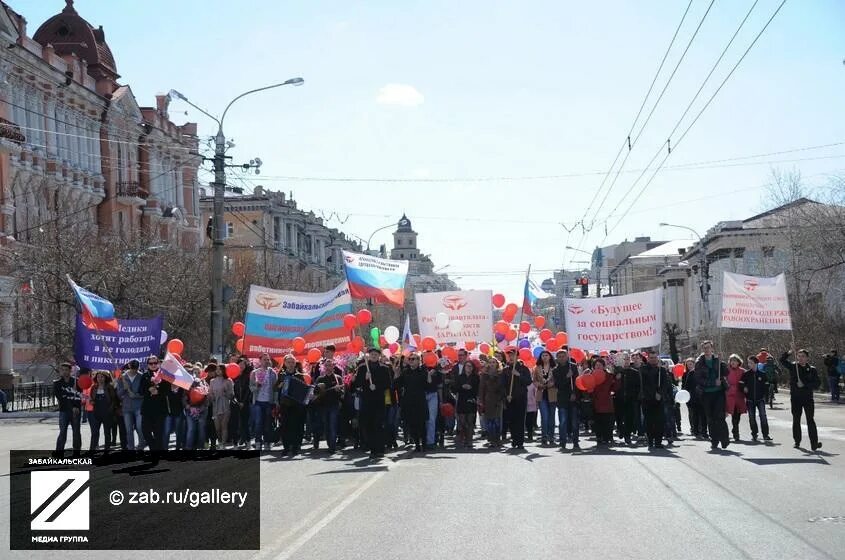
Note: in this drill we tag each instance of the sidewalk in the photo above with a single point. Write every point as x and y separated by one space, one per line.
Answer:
28 415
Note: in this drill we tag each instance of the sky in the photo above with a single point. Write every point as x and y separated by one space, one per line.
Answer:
492 124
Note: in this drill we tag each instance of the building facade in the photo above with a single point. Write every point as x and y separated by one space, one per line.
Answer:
77 150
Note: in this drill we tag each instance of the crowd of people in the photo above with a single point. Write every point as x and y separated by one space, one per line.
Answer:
375 403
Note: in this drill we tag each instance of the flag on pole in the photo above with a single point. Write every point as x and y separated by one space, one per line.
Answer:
173 372
97 312
382 280
407 338
531 294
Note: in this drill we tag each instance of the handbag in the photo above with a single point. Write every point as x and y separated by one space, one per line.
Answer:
552 394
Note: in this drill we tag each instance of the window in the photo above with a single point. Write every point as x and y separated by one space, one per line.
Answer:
768 252
230 230
398 242
401 255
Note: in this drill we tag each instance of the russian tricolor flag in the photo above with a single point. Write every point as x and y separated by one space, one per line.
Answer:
173 372
97 312
531 294
381 280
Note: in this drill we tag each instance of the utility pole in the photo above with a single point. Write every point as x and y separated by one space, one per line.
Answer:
217 246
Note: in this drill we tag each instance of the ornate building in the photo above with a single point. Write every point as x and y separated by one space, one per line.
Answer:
77 150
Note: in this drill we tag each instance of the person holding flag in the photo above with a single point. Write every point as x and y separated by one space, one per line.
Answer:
803 380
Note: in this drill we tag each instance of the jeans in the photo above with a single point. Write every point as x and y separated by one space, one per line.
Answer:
67 418
805 404
753 409
132 420
95 423
493 426
568 421
329 415
391 424
547 420
174 425
714 410
833 380
263 422
669 427
432 402
195 430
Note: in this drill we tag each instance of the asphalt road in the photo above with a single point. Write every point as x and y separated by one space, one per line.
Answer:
751 501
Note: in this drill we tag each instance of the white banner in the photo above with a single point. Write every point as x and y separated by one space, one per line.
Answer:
751 302
473 308
615 323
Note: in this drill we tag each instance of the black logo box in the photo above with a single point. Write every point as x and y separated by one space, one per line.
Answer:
147 526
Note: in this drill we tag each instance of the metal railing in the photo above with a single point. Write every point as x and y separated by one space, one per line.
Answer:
11 131
129 188
30 396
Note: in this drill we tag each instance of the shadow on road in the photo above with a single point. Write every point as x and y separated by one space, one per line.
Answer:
786 461
374 468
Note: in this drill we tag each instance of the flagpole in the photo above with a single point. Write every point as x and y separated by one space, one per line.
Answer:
96 327
521 317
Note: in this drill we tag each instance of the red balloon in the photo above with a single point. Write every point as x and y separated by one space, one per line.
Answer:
589 382
84 382
679 370
197 395
498 300
546 335
502 327
525 354
511 308
524 327
508 317
484 348
429 344
382 342
562 338
511 335
298 345
552 345
203 374
117 373
394 347
600 377
233 371
365 317
604 354
307 378
238 329
430 359
314 355
447 410
175 346
350 321
356 344
762 357
450 353
531 362
469 345
578 355
239 345
539 321
579 382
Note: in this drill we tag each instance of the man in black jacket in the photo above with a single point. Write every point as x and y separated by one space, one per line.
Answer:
803 380
629 392
154 408
373 380
69 398
711 384
518 378
568 401
755 385
831 362
656 388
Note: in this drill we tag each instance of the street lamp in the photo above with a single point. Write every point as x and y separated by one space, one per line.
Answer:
219 190
704 282
370 238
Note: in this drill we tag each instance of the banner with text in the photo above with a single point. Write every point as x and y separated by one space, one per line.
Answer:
136 339
615 323
473 308
751 302
274 318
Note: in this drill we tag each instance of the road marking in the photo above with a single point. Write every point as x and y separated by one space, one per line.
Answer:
326 519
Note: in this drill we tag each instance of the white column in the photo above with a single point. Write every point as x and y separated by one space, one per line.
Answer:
61 133
52 139
92 165
98 162
180 188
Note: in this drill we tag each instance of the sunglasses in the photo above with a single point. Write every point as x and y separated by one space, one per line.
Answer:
153 363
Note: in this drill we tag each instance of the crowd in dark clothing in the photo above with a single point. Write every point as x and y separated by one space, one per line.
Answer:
367 405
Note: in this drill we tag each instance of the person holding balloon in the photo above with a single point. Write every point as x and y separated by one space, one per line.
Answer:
414 382
292 413
605 385
221 392
328 398
544 382
262 382
466 385
195 402
565 374
735 396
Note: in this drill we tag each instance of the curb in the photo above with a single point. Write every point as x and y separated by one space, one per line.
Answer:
27 415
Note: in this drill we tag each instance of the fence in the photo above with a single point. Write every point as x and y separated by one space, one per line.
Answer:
30 396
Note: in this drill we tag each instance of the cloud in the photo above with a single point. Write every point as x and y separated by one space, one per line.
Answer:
400 94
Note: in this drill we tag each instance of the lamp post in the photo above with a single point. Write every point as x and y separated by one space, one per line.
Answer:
595 259
370 238
217 219
704 279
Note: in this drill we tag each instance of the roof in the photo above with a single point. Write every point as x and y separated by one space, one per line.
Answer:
668 249
69 33
797 202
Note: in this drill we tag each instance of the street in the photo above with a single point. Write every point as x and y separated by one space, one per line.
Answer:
751 501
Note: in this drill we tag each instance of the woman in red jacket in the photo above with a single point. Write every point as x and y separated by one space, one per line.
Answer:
735 397
603 402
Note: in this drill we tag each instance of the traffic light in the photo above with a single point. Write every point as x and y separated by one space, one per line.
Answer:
585 286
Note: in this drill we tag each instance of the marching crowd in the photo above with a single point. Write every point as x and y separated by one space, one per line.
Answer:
377 403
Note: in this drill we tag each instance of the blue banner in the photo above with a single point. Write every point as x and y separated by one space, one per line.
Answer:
135 339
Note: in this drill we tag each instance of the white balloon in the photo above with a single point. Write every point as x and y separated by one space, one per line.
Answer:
441 320
164 336
682 397
456 325
391 334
